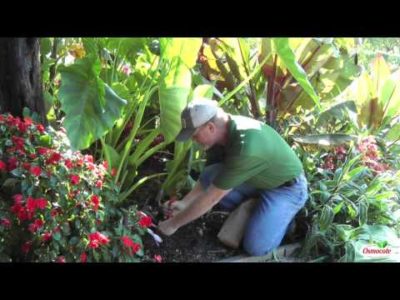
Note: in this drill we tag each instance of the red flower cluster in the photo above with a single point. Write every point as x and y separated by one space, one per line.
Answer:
332 159
127 241
95 202
26 212
371 155
96 239
37 224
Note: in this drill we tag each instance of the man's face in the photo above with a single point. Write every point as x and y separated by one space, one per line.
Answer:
204 135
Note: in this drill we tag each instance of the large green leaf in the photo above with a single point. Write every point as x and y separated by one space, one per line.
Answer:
91 107
178 55
287 56
393 134
339 111
324 139
392 107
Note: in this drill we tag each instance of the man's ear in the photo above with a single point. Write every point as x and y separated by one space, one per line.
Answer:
211 127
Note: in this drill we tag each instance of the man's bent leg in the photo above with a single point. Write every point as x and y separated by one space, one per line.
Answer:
272 215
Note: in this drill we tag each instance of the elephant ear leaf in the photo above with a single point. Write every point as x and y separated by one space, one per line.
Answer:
91 107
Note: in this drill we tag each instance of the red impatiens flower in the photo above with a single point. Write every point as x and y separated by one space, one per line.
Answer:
54 158
113 172
145 221
46 236
68 163
12 163
26 165
36 171
95 201
96 239
37 224
28 121
127 241
18 142
26 247
74 179
40 127
30 204
41 203
3 166
42 150
83 257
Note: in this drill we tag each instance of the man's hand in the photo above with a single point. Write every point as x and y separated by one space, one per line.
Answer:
172 207
166 227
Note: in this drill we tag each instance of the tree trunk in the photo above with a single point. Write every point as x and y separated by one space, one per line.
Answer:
20 82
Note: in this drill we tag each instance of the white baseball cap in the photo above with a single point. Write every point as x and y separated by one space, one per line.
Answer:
196 113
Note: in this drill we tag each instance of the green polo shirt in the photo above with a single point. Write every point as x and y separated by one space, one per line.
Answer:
255 154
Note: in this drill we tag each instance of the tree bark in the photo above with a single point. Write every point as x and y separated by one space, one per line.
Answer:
20 81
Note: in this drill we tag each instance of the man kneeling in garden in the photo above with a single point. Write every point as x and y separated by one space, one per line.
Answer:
245 158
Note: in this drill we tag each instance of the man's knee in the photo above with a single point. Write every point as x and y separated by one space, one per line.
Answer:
257 248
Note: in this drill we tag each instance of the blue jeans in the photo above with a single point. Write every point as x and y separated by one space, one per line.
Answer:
271 217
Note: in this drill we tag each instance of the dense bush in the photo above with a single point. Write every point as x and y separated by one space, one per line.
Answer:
56 205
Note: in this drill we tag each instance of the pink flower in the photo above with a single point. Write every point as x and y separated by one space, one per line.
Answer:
60 259
158 258
126 70
99 184
18 198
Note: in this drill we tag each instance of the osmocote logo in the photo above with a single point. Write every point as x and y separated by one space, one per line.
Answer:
382 250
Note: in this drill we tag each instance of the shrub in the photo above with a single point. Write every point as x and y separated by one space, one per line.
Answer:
56 205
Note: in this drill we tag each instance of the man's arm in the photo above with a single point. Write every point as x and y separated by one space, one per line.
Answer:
172 208
203 203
